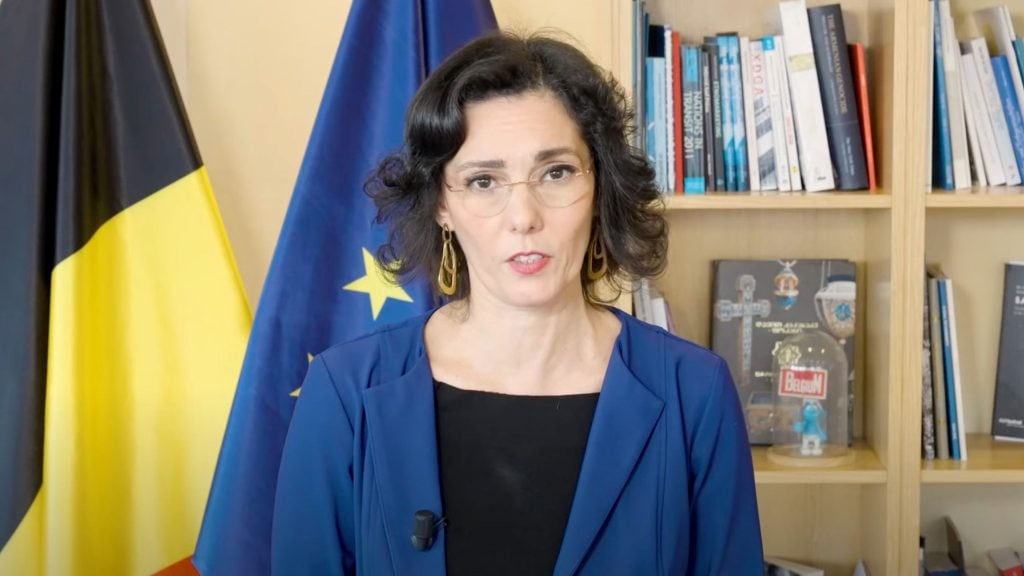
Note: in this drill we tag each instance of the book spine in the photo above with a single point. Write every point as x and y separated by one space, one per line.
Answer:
954 99
749 128
728 133
999 21
927 394
1008 411
961 417
812 137
938 372
661 140
986 138
677 114
650 121
842 122
716 103
772 67
1018 48
930 105
942 150
974 141
738 122
947 355
796 176
858 60
693 125
709 121
995 111
763 143
1011 108
671 71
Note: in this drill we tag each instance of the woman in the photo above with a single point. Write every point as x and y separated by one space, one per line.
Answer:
523 427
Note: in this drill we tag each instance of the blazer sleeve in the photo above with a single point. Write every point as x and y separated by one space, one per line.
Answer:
313 518
725 536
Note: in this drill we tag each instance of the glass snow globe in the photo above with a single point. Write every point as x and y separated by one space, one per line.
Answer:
810 421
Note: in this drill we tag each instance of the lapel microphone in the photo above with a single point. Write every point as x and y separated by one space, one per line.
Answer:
425 525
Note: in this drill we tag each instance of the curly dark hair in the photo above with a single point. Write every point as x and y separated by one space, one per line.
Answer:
407 186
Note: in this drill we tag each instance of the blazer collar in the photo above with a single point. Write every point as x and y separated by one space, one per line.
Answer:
400 418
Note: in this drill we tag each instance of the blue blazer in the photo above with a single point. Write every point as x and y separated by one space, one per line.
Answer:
666 485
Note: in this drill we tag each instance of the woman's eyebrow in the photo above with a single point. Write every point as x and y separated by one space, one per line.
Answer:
553 152
541 156
492 164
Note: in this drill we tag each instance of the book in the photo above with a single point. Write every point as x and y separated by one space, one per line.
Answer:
693 122
951 360
677 114
858 61
728 109
942 149
839 102
954 99
788 119
993 102
804 89
1008 408
1011 107
778 567
978 175
938 372
763 141
996 23
650 119
773 67
986 137
709 121
1007 562
714 59
757 304
739 129
750 134
927 393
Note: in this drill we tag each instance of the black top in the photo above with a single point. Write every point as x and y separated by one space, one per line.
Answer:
509 466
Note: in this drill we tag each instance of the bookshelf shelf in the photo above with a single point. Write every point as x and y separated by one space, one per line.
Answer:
988 462
865 469
978 197
780 201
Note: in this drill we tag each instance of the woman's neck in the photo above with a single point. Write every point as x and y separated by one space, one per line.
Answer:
558 349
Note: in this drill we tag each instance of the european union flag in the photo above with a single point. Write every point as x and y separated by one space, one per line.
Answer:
324 285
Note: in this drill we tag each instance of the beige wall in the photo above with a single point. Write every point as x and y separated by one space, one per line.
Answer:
252 74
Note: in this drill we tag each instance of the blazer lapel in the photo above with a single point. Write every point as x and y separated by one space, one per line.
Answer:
625 415
400 417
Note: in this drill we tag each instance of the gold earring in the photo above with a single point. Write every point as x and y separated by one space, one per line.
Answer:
447 275
596 254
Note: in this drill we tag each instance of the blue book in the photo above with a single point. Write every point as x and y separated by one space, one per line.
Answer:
1018 48
739 127
947 357
942 148
693 121
728 126
1011 108
649 120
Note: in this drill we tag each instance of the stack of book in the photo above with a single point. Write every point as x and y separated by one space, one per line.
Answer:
943 428
650 306
784 112
977 89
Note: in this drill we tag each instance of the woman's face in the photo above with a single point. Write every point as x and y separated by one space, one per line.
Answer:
530 253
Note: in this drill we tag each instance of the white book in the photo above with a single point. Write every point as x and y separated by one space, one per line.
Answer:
763 136
995 110
748 115
788 118
642 301
772 65
974 101
805 91
961 425
670 112
954 96
977 163
996 23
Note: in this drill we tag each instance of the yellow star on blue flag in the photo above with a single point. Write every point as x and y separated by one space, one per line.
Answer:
378 283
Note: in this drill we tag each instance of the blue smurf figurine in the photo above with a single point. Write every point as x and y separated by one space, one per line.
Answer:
812 435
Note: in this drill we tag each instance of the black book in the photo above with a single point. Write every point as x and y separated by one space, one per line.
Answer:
709 121
711 47
1008 409
838 96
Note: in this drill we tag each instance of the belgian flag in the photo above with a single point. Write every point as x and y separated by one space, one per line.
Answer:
123 321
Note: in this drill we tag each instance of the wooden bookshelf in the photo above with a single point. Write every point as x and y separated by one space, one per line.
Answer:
988 462
866 468
779 201
978 197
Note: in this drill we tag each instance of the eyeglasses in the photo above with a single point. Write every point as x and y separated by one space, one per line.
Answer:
560 186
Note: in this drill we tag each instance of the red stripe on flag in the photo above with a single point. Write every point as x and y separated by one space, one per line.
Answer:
181 568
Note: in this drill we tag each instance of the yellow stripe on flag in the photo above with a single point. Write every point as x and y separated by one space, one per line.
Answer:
148 327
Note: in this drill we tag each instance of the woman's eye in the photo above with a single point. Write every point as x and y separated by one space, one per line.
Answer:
480 183
560 172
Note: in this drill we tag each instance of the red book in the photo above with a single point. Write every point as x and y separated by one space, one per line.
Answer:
860 80
677 93
1007 561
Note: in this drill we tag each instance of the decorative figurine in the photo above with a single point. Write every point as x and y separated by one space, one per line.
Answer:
812 436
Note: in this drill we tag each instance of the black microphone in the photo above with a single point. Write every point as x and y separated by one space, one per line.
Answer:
424 529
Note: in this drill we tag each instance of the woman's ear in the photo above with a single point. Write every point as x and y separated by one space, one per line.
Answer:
443 216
